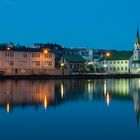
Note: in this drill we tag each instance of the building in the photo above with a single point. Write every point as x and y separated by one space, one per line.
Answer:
25 61
118 62
73 62
123 61
87 54
136 55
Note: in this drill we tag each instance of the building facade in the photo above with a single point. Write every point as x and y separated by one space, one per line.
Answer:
118 62
25 61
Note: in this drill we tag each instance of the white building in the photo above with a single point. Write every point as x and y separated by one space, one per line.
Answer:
123 61
136 55
118 62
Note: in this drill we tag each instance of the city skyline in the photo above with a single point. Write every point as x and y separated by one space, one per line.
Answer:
99 24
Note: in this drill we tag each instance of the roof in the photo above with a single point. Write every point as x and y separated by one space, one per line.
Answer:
74 58
137 37
136 62
21 49
120 55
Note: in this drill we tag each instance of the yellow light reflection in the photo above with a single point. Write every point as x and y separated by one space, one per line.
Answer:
62 90
45 103
105 88
108 99
8 107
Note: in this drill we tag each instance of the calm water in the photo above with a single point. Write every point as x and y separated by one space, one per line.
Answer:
70 109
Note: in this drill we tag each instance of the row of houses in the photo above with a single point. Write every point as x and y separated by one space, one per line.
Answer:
38 60
52 59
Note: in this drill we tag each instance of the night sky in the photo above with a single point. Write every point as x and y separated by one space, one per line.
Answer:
105 24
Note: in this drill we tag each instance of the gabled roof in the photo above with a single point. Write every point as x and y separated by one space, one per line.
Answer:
74 58
120 55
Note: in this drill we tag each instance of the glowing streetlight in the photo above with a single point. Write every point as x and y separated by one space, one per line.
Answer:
45 51
62 64
107 54
105 63
8 48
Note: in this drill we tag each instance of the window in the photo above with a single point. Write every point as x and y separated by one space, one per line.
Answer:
48 55
114 62
118 62
48 63
118 68
110 68
9 63
35 63
122 62
126 62
125 68
23 63
9 54
37 54
110 62
121 68
25 55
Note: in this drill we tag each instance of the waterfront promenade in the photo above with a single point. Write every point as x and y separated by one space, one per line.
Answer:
72 76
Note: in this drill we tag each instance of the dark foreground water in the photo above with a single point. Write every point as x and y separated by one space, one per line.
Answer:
70 109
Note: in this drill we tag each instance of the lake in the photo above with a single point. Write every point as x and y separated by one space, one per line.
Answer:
70 109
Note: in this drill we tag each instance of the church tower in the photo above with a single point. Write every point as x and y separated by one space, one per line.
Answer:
137 47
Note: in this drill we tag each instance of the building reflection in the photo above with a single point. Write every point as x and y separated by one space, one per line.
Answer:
51 93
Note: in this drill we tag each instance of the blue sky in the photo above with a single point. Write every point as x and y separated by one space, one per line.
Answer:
109 24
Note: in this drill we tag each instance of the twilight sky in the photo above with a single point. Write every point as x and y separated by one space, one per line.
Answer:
109 24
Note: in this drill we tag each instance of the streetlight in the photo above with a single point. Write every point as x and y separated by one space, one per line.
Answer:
45 51
106 56
62 67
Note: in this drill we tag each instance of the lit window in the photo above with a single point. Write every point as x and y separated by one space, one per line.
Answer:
35 63
23 63
9 54
48 55
48 63
9 63
37 54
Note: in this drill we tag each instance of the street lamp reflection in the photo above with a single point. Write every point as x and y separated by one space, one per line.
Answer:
45 103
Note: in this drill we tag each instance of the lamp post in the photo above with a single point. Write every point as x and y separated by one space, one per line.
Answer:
62 67
44 52
105 63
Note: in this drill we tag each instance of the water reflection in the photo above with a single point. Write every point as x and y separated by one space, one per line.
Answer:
53 93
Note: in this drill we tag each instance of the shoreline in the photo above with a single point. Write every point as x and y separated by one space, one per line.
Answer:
74 76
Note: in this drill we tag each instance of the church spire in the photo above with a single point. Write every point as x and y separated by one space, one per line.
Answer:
137 37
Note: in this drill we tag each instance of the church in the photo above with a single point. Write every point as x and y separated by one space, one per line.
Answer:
135 66
123 62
